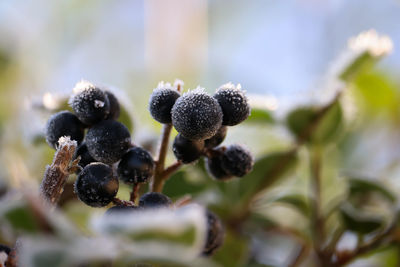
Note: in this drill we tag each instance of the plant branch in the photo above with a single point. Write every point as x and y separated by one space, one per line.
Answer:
120 202
385 238
135 193
158 179
57 173
316 219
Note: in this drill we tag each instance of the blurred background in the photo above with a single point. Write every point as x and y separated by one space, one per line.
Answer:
279 51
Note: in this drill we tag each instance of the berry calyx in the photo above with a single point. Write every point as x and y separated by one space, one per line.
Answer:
161 102
108 141
196 115
63 123
136 166
89 103
187 150
96 185
154 200
233 103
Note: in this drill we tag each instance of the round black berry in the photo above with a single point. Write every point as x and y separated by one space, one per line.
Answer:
114 106
237 160
154 200
83 152
217 139
215 234
120 210
233 103
96 185
161 102
187 150
63 123
90 104
136 166
4 248
108 141
214 167
196 115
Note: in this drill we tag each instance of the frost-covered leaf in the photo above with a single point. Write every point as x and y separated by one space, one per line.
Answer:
158 233
316 125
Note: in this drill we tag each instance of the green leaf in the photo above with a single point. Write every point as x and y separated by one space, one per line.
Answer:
359 222
363 186
179 185
361 63
316 125
21 218
234 251
297 201
266 171
377 91
259 115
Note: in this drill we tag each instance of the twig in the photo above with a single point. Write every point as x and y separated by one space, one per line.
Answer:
58 172
135 192
385 238
120 202
317 220
303 251
171 169
158 181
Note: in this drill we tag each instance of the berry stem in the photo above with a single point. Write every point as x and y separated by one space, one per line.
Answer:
56 175
120 202
158 180
135 192
171 169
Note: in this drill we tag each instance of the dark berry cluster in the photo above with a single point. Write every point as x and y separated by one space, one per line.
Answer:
106 142
201 121
105 154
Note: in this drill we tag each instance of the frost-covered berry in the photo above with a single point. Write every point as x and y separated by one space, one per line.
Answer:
233 103
89 103
161 102
154 200
214 167
114 109
217 139
196 115
136 166
237 160
215 234
108 141
187 150
63 123
115 210
83 152
96 185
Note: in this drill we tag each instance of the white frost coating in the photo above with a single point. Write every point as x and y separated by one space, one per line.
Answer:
366 42
230 85
82 85
66 141
173 222
377 45
164 85
98 103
